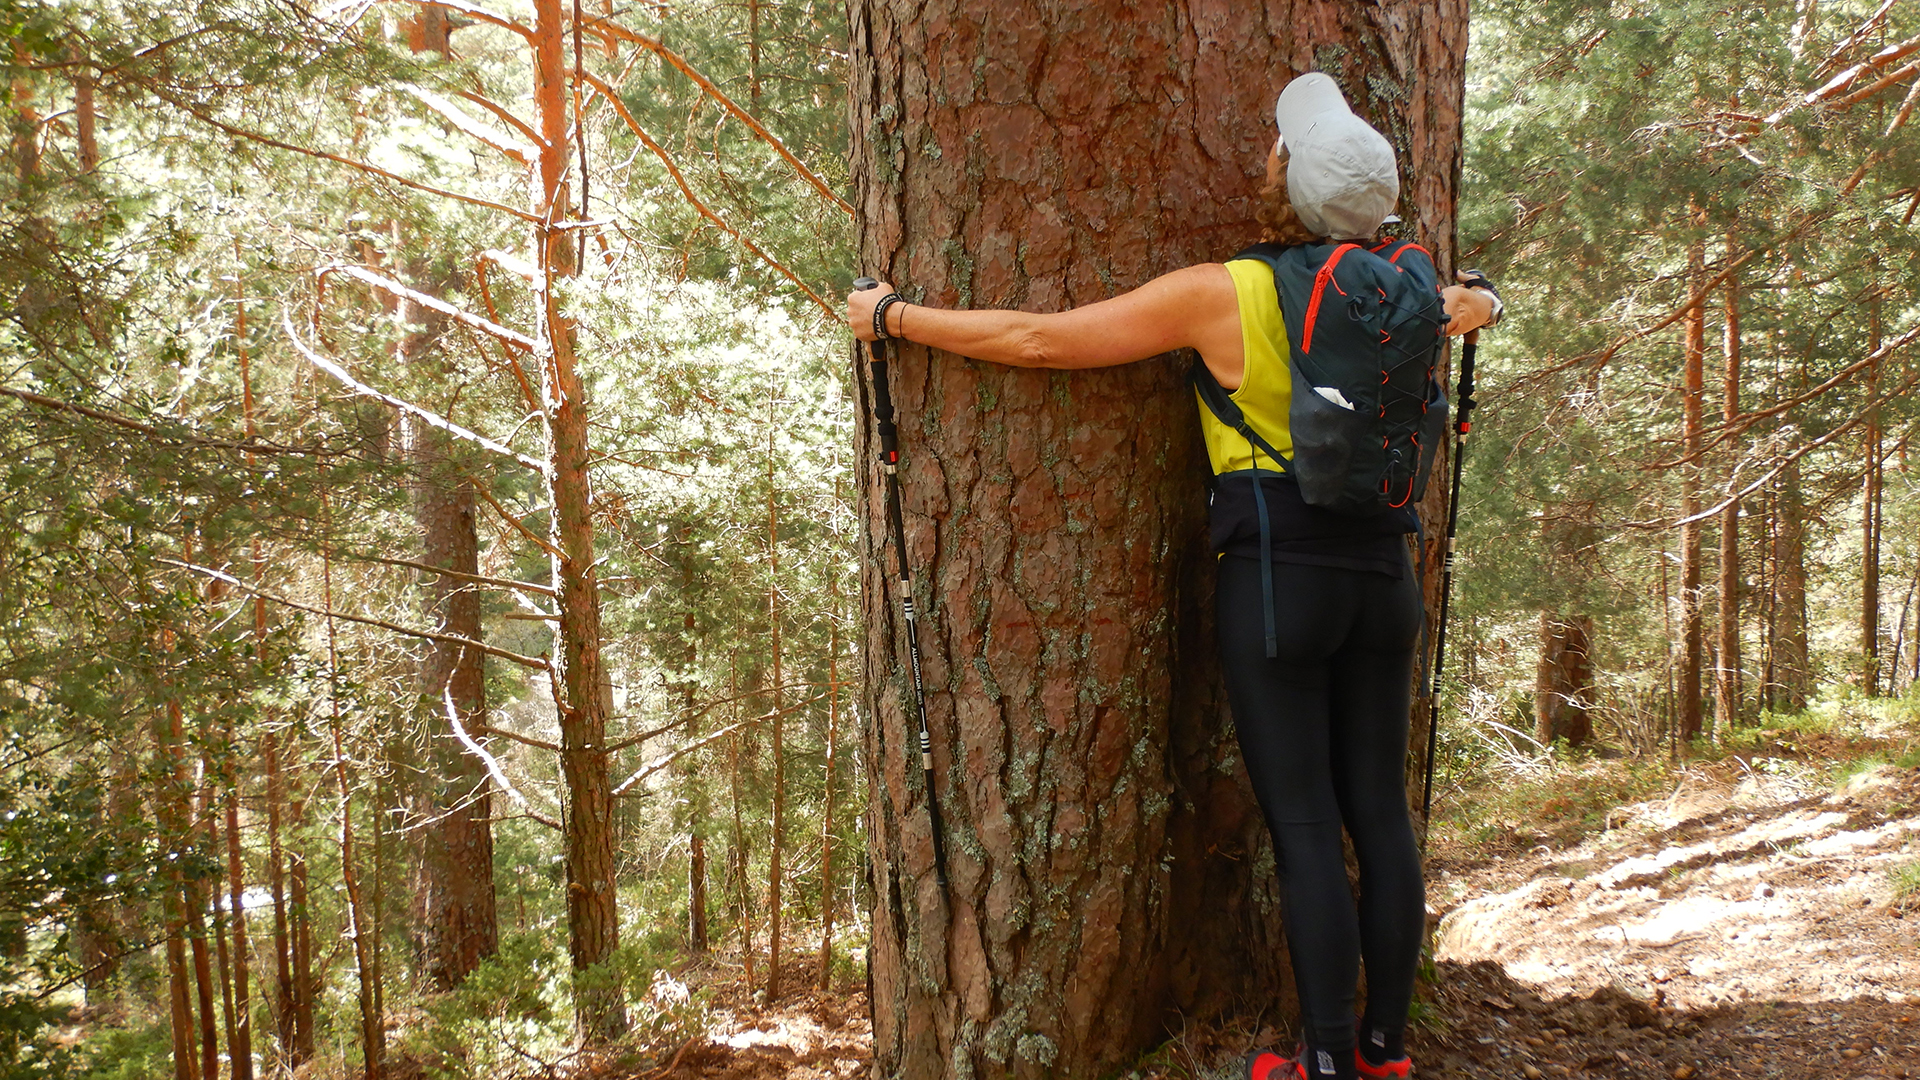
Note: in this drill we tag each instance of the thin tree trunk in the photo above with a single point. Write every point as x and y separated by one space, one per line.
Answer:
1790 593
85 122
826 815
1726 676
697 894
1871 452
1691 645
173 813
778 720
1054 521
269 741
593 923
737 850
373 1036
305 989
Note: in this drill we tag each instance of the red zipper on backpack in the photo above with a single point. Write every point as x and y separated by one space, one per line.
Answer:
1319 286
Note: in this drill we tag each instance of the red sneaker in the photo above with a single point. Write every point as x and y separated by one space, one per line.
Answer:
1392 1070
1267 1065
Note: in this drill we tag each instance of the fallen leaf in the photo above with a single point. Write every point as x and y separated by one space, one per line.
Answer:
1529 1072
1497 1002
1684 1072
1849 1053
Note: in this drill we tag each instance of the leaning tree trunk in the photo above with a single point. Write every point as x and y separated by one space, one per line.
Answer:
1109 866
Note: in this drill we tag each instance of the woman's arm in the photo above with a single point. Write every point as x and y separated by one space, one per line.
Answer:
1194 308
1190 308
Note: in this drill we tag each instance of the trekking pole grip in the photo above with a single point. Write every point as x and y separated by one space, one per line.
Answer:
875 350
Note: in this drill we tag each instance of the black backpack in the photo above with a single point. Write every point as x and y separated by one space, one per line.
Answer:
1367 415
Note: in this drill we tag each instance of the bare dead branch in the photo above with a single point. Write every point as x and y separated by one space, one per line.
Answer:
535 662
613 29
652 767
1841 82
524 740
500 111
433 418
1907 384
687 191
493 765
432 303
453 114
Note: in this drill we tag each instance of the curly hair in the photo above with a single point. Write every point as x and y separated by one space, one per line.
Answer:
1280 222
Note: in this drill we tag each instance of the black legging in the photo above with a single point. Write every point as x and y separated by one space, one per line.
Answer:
1323 728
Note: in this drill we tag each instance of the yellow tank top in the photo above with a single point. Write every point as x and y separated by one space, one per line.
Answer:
1266 390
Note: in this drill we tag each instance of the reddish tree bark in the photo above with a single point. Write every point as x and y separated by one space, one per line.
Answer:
1563 681
1108 863
1687 701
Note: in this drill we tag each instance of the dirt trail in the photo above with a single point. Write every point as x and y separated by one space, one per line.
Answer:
1731 930
1736 929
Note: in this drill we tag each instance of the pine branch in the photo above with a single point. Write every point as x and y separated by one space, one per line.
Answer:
246 446
608 28
1749 419
370 169
686 190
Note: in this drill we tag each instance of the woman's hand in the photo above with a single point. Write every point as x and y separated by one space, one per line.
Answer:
1470 307
860 307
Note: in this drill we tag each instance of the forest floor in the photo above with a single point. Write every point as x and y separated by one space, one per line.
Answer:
1750 922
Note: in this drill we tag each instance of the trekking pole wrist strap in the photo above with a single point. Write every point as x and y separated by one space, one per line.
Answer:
880 313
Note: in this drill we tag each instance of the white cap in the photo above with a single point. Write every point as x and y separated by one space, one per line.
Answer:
1341 176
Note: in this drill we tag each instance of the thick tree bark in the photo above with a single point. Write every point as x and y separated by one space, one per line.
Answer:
1687 694
1726 673
1563 680
462 926
1108 863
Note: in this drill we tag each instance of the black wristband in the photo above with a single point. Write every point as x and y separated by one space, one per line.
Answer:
880 314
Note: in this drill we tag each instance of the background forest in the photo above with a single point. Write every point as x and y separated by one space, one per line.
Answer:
429 560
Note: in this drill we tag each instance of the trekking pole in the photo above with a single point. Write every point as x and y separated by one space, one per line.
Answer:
1462 423
889 463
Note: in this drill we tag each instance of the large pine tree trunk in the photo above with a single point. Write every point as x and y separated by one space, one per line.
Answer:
461 924
1108 863
1563 680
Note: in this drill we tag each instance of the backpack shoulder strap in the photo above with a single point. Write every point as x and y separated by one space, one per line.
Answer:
1225 410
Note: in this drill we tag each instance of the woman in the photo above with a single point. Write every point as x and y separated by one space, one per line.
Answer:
1322 720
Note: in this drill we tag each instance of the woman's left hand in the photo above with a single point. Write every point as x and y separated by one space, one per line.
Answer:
1469 308
860 307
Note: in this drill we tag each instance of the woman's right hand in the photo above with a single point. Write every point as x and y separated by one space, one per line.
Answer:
860 305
